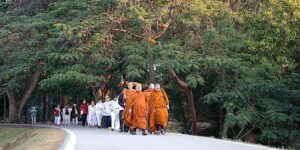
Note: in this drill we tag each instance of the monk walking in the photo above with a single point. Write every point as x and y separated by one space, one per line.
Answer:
127 100
148 92
158 110
137 111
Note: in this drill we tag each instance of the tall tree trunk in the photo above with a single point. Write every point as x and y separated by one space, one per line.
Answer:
189 93
47 105
95 93
226 126
190 96
16 106
151 66
13 108
65 100
30 89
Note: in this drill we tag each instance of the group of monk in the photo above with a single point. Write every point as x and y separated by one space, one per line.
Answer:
145 110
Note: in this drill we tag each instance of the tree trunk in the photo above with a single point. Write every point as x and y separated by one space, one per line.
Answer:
225 126
95 93
189 92
47 105
15 106
65 100
151 66
190 97
32 86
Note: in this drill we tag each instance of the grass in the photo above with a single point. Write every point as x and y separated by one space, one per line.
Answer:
30 139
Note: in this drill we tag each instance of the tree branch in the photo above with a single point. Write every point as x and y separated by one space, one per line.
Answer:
31 86
173 76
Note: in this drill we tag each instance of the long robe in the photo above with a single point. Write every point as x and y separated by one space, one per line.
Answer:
137 117
158 113
148 92
127 100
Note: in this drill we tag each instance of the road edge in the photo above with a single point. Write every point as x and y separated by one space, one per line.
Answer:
68 143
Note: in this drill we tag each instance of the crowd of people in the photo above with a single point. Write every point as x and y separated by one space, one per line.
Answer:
132 110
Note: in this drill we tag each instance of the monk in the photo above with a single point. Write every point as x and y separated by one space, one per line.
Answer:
127 100
137 111
148 92
158 110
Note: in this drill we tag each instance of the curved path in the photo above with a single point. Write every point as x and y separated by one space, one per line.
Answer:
95 139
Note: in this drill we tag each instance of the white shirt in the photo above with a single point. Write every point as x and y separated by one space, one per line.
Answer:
99 107
116 107
107 108
92 110
64 111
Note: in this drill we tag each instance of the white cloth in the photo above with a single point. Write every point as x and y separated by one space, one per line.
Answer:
107 108
75 121
92 115
115 119
99 112
66 118
57 120
88 118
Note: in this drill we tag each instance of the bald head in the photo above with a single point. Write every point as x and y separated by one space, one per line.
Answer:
151 86
157 87
130 85
138 87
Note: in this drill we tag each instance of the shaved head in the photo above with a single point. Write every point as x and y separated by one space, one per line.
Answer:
138 87
129 85
151 86
157 87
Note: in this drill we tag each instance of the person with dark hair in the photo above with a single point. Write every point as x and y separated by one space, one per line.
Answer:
33 113
56 113
123 127
83 112
74 115
107 110
92 114
66 115
115 119
99 112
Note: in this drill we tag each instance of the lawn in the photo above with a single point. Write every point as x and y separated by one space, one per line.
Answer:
29 138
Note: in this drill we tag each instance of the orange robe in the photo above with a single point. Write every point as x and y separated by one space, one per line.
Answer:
148 92
158 113
127 101
137 117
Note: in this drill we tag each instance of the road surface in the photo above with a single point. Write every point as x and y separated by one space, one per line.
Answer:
97 139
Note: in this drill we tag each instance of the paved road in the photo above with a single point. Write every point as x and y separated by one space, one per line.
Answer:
97 139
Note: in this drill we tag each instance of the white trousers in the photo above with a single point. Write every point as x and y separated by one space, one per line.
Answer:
57 120
115 121
75 121
99 118
66 119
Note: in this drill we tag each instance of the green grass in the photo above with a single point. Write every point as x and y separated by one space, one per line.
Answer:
28 138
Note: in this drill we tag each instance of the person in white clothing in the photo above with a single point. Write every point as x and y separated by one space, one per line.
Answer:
66 115
99 112
92 114
88 119
107 113
115 119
